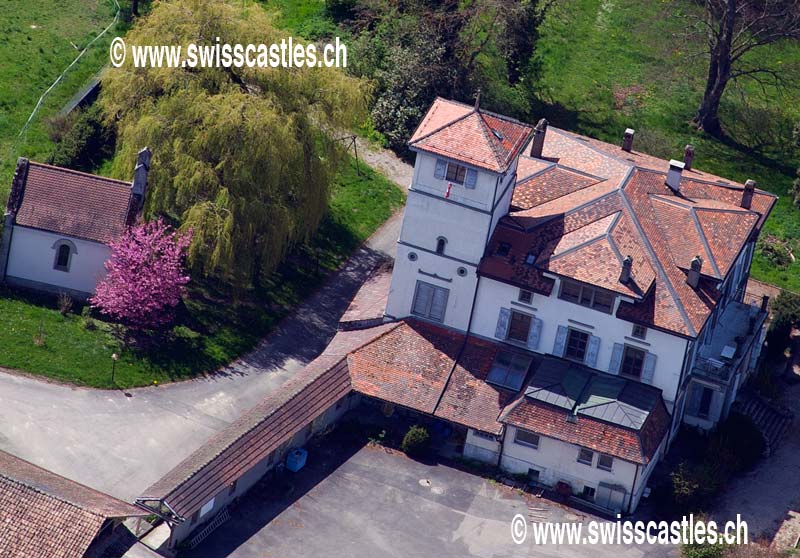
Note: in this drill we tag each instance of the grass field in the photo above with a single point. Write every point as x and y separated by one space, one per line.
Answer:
211 331
37 42
612 64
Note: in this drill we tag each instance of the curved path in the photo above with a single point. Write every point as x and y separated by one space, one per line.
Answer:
122 442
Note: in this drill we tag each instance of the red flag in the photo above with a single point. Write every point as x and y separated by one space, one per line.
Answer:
449 187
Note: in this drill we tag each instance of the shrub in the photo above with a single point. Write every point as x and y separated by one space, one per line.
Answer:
703 550
786 314
737 443
693 485
64 303
416 440
777 251
82 140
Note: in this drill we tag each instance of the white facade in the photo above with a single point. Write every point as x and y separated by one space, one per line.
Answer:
445 229
669 350
557 461
33 256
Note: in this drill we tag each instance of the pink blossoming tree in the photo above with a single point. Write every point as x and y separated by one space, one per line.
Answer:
146 276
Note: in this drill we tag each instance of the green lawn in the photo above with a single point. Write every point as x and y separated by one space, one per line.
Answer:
38 40
211 330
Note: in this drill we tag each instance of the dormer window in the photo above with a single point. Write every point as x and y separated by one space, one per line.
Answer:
530 259
586 295
441 243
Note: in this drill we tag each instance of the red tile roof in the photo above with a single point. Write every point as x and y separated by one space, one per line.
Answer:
471 135
73 203
44 515
408 365
624 443
586 205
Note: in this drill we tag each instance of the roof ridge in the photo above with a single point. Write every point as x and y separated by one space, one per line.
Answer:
706 246
488 133
440 128
655 263
81 173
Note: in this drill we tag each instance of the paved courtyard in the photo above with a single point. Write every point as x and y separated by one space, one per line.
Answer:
366 502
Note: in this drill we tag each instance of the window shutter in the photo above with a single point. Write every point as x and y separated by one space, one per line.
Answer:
616 358
441 168
439 304
693 405
561 341
648 368
534 334
591 351
501 332
422 299
471 179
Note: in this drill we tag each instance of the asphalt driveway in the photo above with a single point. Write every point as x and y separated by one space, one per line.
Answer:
366 502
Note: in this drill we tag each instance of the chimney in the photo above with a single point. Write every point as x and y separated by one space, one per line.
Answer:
674 175
17 187
688 156
694 272
538 138
764 303
627 139
747 195
627 265
140 182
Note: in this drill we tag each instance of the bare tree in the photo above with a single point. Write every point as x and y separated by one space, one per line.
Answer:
735 28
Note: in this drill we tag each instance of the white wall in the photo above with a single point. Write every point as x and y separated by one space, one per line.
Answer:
669 349
32 257
480 448
404 281
558 461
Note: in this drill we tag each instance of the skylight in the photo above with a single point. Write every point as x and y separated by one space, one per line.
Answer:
530 259
498 135
509 370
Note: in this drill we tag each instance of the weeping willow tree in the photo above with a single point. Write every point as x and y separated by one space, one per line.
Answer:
240 156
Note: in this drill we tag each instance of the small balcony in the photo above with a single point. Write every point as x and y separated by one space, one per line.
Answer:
736 331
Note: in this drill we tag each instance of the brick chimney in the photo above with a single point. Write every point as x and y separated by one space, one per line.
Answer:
139 188
695 267
674 175
627 266
627 139
539 133
747 195
688 156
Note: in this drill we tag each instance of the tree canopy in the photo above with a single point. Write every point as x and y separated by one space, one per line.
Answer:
242 156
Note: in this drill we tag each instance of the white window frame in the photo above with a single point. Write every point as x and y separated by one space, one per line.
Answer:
428 311
609 467
590 462
207 507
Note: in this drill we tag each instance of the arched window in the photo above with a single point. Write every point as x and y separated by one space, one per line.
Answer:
64 251
441 242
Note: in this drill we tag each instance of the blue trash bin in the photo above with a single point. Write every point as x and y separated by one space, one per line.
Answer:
296 459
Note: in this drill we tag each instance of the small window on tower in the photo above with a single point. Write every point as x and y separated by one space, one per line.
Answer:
503 249
525 297
441 242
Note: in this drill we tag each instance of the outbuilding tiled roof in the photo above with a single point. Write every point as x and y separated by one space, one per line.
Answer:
585 205
44 515
471 135
72 203
598 411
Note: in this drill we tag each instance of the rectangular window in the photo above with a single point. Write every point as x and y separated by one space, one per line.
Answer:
639 331
525 438
577 341
456 173
586 295
525 297
430 301
484 435
585 456
605 462
509 370
588 493
519 327
207 507
632 362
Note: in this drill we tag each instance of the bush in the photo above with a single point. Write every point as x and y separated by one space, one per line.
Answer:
82 141
737 443
64 303
786 314
693 485
416 440
703 551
